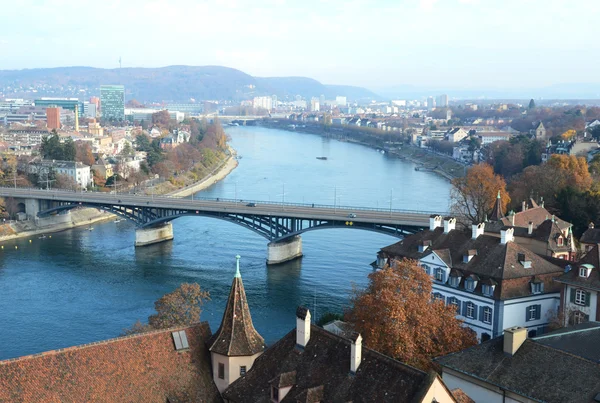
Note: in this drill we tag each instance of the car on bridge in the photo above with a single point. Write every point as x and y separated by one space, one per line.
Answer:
351 215
251 205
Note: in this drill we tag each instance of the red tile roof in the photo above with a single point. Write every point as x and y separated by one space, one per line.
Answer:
139 368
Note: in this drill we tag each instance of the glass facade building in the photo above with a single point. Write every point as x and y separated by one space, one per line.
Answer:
112 102
65 103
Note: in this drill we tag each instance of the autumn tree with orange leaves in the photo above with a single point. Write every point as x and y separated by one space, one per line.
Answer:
182 307
473 196
397 316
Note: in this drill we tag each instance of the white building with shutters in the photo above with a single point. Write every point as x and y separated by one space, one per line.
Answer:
494 283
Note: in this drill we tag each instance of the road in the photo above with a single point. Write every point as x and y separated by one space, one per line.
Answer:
291 210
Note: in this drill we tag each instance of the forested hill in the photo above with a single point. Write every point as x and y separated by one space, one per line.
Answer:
169 84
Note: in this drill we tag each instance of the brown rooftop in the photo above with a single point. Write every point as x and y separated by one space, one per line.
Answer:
139 368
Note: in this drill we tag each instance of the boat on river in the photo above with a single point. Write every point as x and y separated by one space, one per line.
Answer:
322 158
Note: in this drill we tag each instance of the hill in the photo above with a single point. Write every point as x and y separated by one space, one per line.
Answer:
168 84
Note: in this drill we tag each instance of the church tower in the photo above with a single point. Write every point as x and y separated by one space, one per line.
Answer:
235 346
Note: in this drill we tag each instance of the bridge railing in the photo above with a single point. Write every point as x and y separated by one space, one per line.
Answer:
242 202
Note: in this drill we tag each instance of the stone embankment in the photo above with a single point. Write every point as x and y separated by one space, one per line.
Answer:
87 216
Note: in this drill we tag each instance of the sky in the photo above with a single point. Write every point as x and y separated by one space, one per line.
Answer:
371 43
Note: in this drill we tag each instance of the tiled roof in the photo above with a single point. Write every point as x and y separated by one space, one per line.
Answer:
581 340
591 235
537 215
323 368
593 280
237 336
497 214
532 371
461 397
140 368
493 260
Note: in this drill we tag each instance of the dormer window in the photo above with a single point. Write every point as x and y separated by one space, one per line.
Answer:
585 270
274 394
487 290
454 281
469 284
525 262
424 245
439 274
559 241
469 255
537 287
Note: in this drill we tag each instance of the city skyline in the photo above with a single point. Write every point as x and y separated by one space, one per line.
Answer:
450 43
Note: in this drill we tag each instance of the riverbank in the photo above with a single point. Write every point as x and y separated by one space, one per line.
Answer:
87 216
443 165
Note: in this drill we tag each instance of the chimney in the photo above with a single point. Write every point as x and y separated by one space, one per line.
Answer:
507 235
530 227
512 218
302 326
435 221
449 224
355 352
523 206
591 225
514 337
477 229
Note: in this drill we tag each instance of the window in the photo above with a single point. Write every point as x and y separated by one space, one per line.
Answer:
559 241
426 268
580 297
454 281
470 310
578 317
438 296
487 289
439 274
533 312
487 315
221 371
454 302
537 288
469 284
242 370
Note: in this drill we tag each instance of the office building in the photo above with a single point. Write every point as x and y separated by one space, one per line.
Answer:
430 103
315 105
68 104
442 101
112 101
53 118
341 101
263 102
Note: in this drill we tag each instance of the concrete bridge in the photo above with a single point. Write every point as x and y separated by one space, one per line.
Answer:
280 223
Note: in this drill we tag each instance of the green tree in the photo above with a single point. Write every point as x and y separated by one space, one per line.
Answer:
142 143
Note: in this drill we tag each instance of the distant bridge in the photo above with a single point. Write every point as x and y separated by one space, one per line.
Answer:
280 223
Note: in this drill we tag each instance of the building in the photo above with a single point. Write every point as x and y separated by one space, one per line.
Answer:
90 110
562 366
590 238
112 101
490 137
188 364
95 101
145 115
68 104
341 101
442 101
535 229
430 103
12 105
263 103
310 364
580 297
186 108
315 105
103 168
456 134
77 171
493 282
53 118
95 129
540 131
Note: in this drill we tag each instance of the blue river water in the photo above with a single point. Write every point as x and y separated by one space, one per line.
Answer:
81 286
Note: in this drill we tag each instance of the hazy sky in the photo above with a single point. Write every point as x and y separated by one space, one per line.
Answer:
373 43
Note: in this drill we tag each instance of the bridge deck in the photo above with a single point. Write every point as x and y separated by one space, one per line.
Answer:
291 210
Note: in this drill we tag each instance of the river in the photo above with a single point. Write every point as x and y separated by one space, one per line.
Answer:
81 286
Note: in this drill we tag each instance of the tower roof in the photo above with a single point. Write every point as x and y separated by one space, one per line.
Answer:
497 214
236 335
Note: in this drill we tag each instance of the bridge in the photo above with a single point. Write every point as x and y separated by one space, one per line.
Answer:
280 223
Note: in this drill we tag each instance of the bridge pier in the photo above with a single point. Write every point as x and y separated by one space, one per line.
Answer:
149 236
283 251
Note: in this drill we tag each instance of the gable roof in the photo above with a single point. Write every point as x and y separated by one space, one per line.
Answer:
536 215
139 368
323 368
236 335
532 371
